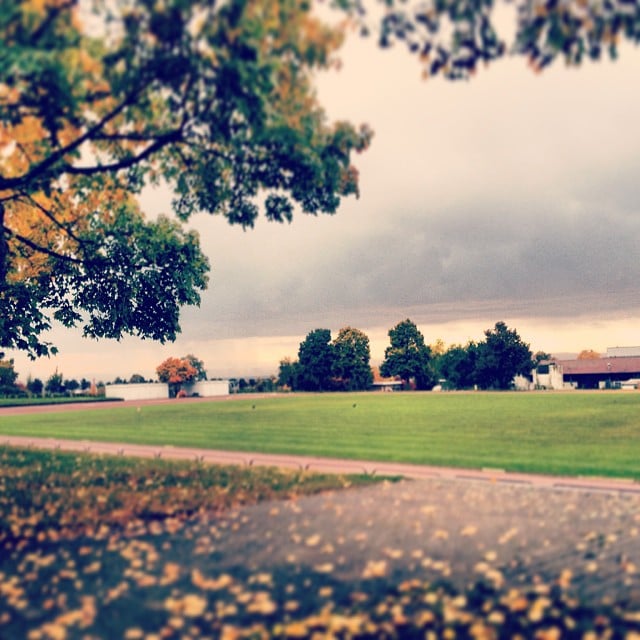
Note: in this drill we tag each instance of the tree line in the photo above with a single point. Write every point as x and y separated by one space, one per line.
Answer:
55 385
343 364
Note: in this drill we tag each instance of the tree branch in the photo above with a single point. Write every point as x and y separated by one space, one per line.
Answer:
31 175
46 212
54 12
41 249
126 163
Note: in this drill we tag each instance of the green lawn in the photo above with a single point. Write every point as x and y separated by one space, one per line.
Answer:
24 402
569 433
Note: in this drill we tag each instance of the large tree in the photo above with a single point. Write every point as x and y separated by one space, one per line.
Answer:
457 366
214 99
351 370
408 356
500 357
315 361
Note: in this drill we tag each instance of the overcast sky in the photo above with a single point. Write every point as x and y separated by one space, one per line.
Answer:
511 197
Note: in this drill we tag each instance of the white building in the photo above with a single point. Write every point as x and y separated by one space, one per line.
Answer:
160 390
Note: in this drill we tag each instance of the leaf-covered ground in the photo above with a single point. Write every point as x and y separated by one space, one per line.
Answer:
96 547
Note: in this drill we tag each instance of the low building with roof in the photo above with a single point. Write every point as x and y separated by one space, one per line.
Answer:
607 372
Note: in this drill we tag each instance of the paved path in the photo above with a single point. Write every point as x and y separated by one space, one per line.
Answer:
450 557
328 465
453 550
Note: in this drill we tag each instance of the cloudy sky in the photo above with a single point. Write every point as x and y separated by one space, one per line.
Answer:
512 197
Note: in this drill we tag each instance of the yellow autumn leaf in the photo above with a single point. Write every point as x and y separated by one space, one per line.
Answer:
313 541
193 605
326 567
210 584
375 569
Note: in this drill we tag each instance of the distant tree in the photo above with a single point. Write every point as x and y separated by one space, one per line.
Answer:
175 372
588 354
71 385
457 366
85 384
55 384
288 373
315 357
265 385
35 386
351 355
408 356
198 365
437 348
8 376
136 378
540 356
501 357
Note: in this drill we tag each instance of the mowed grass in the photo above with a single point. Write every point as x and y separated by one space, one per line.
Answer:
560 433
27 402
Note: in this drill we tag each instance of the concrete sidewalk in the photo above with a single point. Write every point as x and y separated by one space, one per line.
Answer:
328 465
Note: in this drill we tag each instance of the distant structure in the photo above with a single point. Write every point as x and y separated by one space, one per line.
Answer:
384 384
619 369
160 390
623 352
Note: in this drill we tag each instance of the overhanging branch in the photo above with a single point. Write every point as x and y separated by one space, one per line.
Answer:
40 249
126 163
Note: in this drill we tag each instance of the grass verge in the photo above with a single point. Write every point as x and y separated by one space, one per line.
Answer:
54 495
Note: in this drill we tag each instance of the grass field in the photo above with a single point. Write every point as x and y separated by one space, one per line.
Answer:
26 402
563 433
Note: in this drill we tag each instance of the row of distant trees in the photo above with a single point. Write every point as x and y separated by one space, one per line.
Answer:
340 364
174 371
343 364
323 364
55 385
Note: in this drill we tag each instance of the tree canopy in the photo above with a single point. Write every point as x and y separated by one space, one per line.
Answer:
500 357
323 364
8 376
351 355
176 371
315 361
454 37
213 99
457 366
408 356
